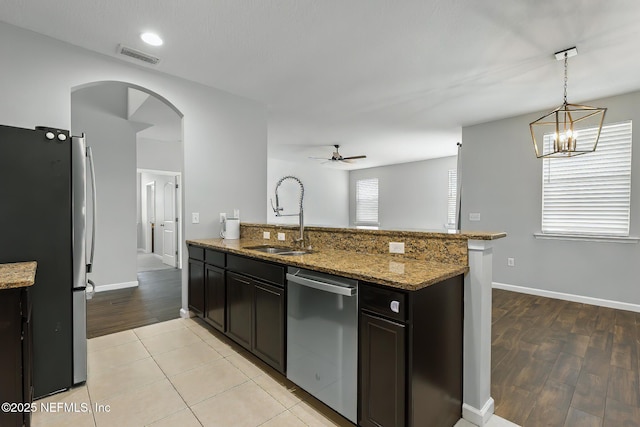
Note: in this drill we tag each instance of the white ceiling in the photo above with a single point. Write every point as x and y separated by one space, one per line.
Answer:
395 80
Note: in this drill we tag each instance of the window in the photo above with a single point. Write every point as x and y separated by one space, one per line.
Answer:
590 194
367 201
451 199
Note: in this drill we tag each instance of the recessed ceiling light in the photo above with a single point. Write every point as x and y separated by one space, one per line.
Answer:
151 38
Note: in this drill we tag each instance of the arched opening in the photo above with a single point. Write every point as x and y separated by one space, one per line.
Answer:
136 138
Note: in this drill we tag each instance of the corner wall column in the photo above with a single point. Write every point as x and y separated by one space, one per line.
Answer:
477 405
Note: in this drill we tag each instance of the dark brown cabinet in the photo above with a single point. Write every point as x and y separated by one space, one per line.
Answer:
196 286
256 308
215 297
410 355
15 355
206 285
240 309
382 370
268 324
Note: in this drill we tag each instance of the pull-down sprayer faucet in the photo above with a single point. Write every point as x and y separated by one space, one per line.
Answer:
277 209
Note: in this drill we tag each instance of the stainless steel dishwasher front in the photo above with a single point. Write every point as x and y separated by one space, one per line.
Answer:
322 338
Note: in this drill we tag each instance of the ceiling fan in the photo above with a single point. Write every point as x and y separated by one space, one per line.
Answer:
337 157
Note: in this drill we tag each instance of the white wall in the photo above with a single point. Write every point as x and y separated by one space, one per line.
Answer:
159 155
410 195
501 179
112 139
326 193
225 136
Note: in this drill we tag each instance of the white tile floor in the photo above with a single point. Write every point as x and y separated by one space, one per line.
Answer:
179 373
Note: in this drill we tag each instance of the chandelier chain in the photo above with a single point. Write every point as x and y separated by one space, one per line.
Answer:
565 77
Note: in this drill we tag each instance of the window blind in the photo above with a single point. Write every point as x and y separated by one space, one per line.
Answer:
590 194
451 199
367 201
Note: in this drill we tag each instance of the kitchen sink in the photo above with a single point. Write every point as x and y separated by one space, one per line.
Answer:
277 250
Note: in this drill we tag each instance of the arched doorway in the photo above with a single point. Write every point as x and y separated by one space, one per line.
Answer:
132 131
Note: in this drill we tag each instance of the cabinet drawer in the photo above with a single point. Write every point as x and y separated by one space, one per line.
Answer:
269 272
196 252
215 258
386 302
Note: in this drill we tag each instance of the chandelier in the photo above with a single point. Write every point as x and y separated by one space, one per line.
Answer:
570 129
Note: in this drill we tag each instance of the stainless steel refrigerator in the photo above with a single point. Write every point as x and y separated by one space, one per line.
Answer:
43 210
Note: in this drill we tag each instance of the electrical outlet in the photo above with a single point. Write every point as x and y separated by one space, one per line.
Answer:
266 235
195 217
396 267
223 217
236 213
281 236
396 247
474 216
511 262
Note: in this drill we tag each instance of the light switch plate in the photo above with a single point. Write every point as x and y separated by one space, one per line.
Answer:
396 247
266 235
474 216
195 217
281 236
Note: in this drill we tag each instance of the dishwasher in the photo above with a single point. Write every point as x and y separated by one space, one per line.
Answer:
322 338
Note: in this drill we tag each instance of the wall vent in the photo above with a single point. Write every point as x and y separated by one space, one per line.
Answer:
136 54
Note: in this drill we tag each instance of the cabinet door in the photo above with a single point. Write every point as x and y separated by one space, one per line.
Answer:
27 353
215 296
382 372
268 336
239 309
196 286
10 355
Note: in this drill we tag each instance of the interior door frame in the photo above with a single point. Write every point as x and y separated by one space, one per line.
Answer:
178 207
150 217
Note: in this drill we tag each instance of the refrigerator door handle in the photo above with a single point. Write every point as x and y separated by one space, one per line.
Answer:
93 209
91 289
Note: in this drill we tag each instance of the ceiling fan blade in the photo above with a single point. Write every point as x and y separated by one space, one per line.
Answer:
354 157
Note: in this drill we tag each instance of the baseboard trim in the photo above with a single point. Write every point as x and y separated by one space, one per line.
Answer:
476 416
158 256
569 297
114 286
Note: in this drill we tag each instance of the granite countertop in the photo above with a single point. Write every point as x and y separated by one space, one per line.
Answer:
452 234
17 275
385 269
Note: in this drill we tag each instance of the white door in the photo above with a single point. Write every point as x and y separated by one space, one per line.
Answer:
169 225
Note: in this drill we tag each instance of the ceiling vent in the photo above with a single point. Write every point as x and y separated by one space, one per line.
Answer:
136 54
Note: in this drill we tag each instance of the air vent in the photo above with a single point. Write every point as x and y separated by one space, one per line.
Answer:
136 54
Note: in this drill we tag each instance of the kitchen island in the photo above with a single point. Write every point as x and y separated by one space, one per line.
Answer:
384 269
409 358
15 335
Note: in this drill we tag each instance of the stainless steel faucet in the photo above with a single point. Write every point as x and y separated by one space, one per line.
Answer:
278 210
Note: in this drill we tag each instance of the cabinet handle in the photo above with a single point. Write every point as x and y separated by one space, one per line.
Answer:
395 306
242 281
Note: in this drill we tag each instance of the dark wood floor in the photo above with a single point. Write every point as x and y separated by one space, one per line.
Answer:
558 363
156 299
